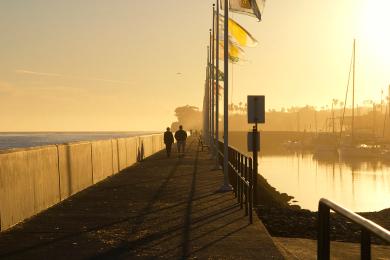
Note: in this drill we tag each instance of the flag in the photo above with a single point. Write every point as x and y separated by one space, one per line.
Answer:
237 34
248 7
235 52
219 73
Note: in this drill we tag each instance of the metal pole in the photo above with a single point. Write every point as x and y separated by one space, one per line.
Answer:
226 186
208 96
373 120
206 103
246 187
211 91
250 191
365 245
323 239
353 91
212 85
387 110
217 167
255 164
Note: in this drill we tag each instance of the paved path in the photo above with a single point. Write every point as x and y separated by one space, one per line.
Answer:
168 208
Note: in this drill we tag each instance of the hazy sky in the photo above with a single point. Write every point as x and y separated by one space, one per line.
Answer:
113 65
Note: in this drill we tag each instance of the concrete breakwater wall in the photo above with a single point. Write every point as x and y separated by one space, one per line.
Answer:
33 179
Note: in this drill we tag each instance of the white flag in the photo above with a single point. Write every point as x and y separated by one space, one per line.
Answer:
248 7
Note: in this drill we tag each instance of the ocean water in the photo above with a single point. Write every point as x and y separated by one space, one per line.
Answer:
28 139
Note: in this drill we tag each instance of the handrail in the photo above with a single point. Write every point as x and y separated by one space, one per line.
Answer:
241 177
367 228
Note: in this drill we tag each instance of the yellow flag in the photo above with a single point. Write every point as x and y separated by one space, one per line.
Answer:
235 52
242 36
237 34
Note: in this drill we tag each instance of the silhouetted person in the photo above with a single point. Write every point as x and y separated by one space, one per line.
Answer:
181 136
168 141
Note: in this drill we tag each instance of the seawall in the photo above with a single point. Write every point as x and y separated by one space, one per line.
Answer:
34 179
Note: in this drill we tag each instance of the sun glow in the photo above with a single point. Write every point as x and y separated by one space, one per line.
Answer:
373 36
375 24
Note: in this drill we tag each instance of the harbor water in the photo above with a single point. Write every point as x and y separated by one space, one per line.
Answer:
358 185
361 185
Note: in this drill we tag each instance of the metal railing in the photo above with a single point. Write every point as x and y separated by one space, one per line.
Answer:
241 177
367 228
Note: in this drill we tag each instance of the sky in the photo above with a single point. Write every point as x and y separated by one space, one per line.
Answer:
123 65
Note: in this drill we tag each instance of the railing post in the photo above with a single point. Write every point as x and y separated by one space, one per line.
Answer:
236 166
235 175
238 177
246 187
250 173
241 181
232 171
218 152
323 239
222 154
365 245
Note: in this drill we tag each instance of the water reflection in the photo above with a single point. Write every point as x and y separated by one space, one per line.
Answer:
358 185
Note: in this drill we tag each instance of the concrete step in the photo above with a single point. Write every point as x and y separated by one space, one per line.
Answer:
306 249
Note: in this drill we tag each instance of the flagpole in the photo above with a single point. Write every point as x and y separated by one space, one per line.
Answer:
212 87
226 186
211 91
208 95
206 103
217 91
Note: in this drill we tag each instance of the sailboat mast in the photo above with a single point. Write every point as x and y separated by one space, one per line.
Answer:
353 92
332 117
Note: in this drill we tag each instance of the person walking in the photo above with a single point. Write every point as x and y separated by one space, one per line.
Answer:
181 137
168 141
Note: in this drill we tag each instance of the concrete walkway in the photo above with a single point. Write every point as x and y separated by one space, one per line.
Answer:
301 248
168 208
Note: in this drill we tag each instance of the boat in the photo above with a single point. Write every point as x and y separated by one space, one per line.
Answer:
364 151
293 145
325 144
352 148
